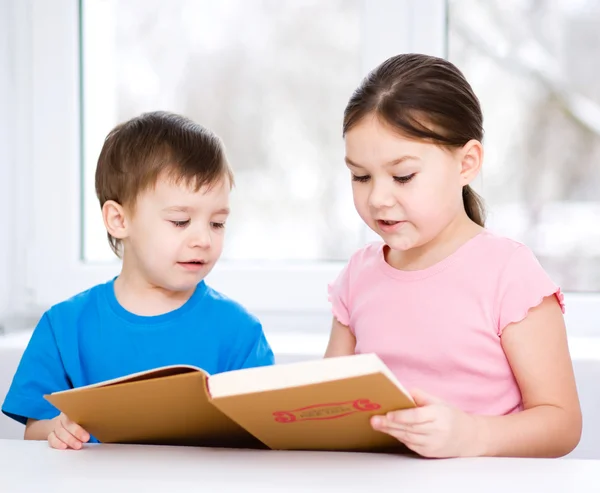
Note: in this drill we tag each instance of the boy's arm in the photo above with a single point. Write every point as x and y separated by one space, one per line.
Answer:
61 432
252 348
38 429
40 372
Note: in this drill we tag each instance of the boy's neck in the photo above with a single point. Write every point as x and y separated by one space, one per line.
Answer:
140 297
456 234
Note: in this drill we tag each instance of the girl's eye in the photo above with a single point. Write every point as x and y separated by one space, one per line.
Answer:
404 179
360 179
180 224
218 225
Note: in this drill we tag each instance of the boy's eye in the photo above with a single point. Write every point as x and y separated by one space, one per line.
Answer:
180 224
218 225
360 179
404 179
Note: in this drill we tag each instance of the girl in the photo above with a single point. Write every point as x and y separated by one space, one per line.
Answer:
467 319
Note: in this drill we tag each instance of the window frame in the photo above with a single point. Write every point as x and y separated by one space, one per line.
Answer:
46 174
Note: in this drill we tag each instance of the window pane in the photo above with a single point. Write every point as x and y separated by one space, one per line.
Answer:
271 78
535 67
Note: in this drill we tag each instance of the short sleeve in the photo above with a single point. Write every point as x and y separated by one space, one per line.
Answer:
40 372
339 296
251 348
523 285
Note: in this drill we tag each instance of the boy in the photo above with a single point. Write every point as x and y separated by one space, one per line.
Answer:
163 183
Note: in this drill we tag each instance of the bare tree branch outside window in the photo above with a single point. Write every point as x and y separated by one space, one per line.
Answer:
535 67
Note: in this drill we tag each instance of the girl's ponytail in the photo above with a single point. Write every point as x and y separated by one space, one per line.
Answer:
473 205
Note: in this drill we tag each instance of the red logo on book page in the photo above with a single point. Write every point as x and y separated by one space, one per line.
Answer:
332 410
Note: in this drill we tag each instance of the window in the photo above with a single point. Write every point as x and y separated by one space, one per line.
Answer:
271 78
535 67
530 70
80 76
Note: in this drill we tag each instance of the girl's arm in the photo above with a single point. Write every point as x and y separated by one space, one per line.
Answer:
341 341
550 425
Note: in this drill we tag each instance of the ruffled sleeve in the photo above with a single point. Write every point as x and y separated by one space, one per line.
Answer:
523 285
339 296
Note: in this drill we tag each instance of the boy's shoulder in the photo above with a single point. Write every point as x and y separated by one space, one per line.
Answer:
89 305
78 304
221 305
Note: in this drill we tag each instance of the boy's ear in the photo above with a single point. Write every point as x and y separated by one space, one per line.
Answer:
115 222
472 159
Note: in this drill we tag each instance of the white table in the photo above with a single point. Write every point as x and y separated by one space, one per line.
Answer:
34 467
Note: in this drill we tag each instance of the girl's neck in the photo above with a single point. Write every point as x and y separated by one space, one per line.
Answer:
448 241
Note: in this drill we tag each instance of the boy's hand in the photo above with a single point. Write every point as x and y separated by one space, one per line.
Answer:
67 434
433 429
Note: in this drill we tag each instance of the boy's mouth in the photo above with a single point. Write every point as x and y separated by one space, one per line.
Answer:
192 265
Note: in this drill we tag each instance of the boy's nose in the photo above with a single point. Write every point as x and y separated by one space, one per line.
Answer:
201 239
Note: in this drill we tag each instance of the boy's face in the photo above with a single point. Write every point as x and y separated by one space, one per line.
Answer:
175 234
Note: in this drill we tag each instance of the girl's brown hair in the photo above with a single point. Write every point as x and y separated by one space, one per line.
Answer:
422 97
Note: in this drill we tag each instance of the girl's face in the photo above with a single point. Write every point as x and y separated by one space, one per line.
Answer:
407 191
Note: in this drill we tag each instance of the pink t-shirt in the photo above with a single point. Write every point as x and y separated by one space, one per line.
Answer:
438 329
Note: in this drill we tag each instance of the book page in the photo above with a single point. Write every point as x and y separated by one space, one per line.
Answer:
163 371
277 377
170 410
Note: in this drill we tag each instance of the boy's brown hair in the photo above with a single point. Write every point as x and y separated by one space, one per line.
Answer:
137 152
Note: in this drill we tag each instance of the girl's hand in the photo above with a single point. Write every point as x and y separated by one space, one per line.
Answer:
433 429
67 434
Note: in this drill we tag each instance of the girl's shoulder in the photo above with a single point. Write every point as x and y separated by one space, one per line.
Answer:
366 261
368 253
495 243
494 250
497 257
521 282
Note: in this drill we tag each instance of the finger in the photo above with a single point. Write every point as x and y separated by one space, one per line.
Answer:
424 399
415 416
379 422
64 436
54 442
74 429
422 450
411 440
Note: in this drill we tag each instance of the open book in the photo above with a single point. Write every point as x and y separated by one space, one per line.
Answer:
314 405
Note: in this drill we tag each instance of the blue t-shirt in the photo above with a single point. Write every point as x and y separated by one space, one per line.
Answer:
91 338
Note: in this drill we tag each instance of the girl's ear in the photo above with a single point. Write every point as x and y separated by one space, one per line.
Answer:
115 221
471 161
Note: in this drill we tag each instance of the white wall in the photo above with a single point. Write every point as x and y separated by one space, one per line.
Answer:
16 218
5 168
